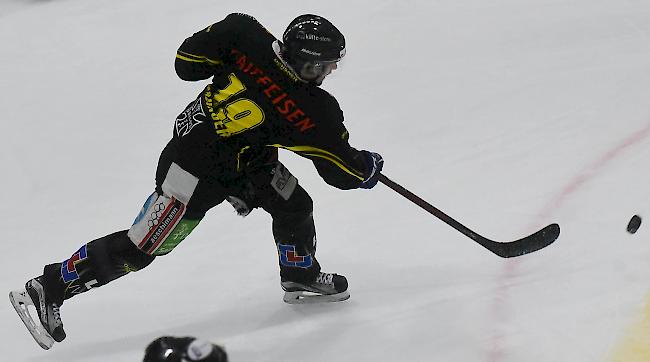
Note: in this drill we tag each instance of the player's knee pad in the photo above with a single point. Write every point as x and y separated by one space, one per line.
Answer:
296 211
300 202
160 225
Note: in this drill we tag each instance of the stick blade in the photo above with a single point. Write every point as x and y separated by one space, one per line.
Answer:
528 244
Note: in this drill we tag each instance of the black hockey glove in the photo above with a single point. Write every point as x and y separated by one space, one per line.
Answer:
375 163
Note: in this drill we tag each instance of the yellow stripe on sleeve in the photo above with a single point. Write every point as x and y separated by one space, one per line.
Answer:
317 152
196 58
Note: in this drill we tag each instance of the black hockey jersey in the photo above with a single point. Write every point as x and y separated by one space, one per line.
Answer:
256 101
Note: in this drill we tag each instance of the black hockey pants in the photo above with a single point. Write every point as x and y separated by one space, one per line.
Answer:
264 183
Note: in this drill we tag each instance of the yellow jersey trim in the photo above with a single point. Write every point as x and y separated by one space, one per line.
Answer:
317 152
196 58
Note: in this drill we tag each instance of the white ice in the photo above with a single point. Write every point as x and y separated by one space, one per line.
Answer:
508 115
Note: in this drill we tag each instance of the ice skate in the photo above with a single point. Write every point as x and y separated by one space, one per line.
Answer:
47 328
326 288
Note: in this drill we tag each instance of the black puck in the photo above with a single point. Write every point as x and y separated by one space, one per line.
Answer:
634 224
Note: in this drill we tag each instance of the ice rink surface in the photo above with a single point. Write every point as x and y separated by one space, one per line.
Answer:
508 115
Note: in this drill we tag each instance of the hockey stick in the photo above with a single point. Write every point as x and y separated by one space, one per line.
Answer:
528 244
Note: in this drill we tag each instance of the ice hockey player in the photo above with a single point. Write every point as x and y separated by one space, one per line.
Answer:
264 95
183 349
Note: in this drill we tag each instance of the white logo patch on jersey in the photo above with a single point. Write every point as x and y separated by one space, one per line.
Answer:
187 120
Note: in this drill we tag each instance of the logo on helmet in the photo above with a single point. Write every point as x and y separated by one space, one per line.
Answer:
304 36
310 52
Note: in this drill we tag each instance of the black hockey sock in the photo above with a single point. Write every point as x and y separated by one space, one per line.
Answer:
93 265
295 237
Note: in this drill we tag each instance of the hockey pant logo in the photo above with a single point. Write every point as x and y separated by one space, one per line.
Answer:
289 257
69 267
160 227
72 277
283 181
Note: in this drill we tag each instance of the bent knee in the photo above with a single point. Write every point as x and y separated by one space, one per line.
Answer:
300 201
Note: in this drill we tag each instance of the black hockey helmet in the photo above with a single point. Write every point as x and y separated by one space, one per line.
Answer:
314 38
183 349
312 45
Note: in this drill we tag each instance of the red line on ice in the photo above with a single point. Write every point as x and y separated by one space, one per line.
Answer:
497 351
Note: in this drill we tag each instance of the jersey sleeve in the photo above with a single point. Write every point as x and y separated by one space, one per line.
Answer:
339 164
202 54
343 167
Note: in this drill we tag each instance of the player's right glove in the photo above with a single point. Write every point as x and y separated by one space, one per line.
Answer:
375 163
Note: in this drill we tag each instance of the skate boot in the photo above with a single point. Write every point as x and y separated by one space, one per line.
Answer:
48 328
326 288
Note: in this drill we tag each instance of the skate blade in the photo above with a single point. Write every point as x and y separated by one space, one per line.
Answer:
21 300
304 297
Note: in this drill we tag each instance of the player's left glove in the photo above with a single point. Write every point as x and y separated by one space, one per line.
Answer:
375 163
